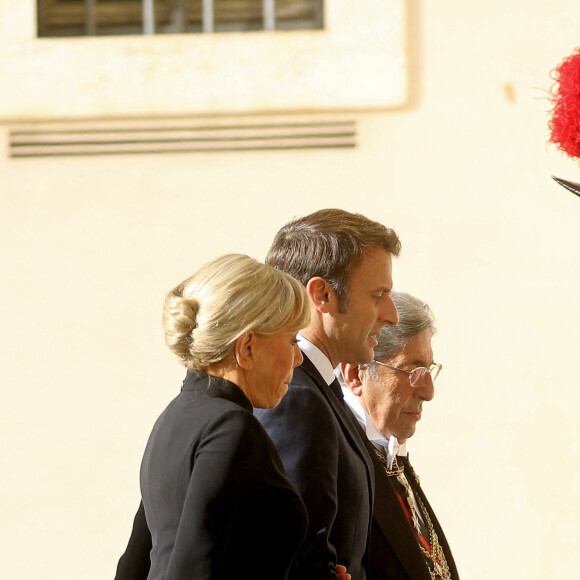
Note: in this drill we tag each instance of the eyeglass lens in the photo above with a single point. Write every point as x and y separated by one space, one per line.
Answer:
418 374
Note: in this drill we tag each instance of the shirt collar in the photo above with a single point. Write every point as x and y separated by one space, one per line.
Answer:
318 359
390 446
196 380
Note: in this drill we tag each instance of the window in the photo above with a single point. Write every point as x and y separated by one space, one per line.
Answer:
357 61
120 17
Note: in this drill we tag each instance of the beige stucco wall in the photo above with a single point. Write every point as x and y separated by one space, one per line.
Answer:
89 246
348 64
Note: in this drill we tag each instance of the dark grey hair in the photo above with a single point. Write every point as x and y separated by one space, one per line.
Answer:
414 317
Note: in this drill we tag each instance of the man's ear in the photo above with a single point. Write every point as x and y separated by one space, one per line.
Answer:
244 350
352 377
322 294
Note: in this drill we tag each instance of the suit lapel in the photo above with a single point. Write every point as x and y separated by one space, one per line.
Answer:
347 421
417 489
393 523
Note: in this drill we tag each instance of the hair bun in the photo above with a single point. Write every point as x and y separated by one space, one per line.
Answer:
179 321
230 295
187 309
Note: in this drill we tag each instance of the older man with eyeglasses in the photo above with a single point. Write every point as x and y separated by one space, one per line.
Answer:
386 397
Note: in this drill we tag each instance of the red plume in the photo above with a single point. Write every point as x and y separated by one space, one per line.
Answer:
565 123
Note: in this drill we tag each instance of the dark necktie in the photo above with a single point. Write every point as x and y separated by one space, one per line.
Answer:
336 389
337 392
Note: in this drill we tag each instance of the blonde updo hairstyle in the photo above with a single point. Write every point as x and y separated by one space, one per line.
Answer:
230 295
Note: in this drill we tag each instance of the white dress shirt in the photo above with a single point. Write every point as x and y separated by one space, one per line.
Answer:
318 359
389 447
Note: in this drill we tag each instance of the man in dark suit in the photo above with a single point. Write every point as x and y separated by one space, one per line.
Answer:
386 396
344 261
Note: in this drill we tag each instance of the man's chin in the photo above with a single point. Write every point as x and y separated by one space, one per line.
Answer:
407 434
364 354
369 355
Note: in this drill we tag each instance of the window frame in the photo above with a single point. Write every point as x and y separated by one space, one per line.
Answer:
357 62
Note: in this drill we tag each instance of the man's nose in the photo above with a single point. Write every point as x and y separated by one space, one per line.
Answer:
426 389
389 314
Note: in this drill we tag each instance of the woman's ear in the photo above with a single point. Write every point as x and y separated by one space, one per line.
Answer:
322 294
352 377
244 350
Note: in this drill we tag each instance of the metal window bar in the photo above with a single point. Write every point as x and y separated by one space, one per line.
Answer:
148 17
178 17
208 17
269 14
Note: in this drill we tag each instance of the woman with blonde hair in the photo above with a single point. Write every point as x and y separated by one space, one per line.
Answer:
216 498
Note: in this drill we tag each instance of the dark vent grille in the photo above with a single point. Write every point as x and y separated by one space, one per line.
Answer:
179 136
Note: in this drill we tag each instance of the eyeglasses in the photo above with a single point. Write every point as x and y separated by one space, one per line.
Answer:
418 374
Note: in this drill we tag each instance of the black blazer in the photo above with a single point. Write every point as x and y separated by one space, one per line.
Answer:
216 498
326 459
394 550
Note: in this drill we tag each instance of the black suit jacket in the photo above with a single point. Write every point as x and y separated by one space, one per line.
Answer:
327 461
216 499
394 550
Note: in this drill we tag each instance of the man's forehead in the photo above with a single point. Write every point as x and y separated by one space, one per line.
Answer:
375 270
418 350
